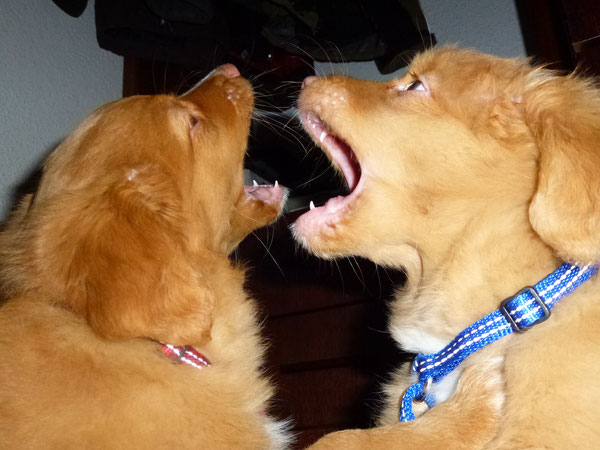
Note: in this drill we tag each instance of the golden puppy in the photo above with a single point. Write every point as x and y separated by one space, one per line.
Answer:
478 176
122 256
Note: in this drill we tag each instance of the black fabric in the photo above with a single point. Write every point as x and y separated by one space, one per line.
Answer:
209 32
342 31
133 28
74 8
199 12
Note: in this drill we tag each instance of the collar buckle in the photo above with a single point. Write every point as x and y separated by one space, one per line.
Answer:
514 323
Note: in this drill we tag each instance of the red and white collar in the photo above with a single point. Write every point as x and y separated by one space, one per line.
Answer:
185 354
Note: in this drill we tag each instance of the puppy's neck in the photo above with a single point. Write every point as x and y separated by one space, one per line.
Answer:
234 331
490 261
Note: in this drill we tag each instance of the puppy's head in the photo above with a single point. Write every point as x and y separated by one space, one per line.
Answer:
138 208
461 135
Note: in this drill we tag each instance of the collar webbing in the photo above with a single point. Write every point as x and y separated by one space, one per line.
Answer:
530 306
185 354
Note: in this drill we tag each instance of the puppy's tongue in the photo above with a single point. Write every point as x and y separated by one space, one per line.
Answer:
272 194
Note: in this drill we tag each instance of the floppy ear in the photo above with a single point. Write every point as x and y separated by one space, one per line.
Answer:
564 116
121 256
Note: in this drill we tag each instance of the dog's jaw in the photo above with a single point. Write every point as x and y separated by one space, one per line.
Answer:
320 224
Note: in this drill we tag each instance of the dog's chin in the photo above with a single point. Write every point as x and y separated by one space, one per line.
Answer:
325 236
319 243
258 206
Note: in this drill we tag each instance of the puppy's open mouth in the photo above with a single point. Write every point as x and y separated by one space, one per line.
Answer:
272 194
343 157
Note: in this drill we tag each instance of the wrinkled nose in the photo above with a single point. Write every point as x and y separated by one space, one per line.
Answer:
228 70
308 80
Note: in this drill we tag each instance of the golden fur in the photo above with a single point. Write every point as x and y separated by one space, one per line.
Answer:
478 182
125 245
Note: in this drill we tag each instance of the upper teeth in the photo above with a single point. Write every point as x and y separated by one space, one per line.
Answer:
323 136
255 184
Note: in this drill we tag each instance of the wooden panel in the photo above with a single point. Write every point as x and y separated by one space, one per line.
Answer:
279 300
320 335
582 18
325 398
588 55
545 34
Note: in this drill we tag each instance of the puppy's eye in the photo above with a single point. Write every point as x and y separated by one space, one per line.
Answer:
415 85
193 121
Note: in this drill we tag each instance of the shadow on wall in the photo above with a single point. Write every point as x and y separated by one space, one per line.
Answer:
28 184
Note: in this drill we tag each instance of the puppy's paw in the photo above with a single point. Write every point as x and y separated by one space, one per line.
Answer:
493 378
481 385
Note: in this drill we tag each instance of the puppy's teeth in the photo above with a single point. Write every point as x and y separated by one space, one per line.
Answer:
276 183
312 205
323 136
254 183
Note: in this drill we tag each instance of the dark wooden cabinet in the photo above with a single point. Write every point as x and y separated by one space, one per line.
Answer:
582 20
562 33
326 325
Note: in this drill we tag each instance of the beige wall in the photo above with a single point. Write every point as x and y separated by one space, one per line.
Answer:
490 26
52 74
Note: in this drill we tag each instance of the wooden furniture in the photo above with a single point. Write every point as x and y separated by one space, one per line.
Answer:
327 328
582 21
563 33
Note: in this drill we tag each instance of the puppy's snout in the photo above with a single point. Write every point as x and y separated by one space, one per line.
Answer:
228 70
308 80
324 92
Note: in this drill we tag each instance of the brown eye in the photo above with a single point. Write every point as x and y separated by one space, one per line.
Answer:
415 85
193 121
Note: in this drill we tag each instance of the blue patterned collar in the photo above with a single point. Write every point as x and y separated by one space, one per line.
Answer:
528 307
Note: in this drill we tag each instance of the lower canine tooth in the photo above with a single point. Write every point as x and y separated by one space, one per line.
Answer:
323 136
254 183
312 205
276 183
